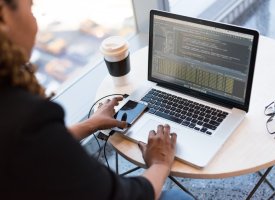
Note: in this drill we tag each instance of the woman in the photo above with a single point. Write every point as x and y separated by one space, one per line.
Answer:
40 157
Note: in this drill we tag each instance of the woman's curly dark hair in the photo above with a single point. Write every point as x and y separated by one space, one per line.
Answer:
11 3
15 69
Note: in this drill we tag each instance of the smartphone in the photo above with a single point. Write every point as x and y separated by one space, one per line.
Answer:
130 113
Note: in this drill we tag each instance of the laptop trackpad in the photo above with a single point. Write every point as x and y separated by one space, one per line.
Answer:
190 147
141 133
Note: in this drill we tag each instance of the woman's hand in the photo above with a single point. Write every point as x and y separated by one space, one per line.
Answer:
102 119
104 116
160 148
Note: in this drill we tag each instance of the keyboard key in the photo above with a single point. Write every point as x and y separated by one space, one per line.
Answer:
214 123
209 132
209 112
173 108
189 114
214 118
175 105
214 113
155 98
197 112
162 109
172 113
224 113
183 112
195 116
185 108
200 118
182 116
200 123
221 116
145 99
178 111
206 125
203 129
168 107
152 101
197 128
208 116
169 117
158 103
152 110
197 107
185 123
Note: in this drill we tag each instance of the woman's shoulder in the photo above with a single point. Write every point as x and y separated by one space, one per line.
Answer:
20 106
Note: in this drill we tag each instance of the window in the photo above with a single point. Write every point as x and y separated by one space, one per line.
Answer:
190 8
70 33
248 13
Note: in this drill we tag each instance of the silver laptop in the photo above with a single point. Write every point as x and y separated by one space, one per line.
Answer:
199 82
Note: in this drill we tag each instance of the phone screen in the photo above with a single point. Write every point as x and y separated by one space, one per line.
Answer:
130 111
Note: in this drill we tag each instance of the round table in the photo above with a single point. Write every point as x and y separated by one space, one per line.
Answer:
248 150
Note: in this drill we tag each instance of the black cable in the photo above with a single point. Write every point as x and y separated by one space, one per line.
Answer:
105 154
89 113
99 147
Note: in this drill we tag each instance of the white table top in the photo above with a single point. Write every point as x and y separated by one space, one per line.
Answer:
249 149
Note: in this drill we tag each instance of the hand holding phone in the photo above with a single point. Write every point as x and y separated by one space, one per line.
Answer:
130 113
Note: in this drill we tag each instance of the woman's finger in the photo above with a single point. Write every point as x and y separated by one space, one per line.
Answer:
166 130
173 140
160 129
119 98
152 133
100 104
142 146
107 101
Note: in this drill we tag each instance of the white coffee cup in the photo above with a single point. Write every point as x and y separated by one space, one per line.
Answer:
115 50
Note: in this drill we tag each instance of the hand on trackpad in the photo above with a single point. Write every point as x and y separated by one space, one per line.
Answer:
161 147
152 125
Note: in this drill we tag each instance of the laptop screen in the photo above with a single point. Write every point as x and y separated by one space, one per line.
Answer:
202 58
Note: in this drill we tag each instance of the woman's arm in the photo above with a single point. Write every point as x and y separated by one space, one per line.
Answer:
102 119
159 155
48 161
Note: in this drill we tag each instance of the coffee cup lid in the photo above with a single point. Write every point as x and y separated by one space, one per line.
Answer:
114 45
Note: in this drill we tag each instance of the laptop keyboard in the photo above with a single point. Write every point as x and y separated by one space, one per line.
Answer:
188 113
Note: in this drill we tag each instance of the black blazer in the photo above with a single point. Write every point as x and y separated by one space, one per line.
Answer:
39 159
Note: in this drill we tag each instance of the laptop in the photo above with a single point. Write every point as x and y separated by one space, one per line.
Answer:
199 82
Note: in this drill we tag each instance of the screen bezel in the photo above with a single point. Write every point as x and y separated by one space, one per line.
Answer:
217 100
